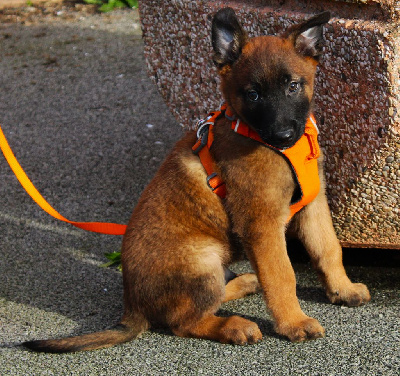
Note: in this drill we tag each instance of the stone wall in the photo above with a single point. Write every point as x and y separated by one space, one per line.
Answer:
357 94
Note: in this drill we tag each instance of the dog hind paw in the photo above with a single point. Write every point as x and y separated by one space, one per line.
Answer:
233 329
239 331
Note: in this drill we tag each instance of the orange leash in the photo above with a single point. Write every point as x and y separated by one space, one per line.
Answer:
99 227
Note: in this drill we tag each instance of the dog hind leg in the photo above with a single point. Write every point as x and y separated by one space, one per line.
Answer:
232 329
240 286
199 295
194 316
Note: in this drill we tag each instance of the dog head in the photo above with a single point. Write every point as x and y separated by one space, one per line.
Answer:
268 81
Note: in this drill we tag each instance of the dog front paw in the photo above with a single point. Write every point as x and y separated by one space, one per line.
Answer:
302 330
354 295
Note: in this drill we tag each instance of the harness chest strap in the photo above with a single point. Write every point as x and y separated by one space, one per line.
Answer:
302 157
205 138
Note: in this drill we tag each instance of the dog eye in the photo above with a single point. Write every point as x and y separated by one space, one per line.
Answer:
253 95
293 87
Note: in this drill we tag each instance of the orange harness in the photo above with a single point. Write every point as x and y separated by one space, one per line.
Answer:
302 157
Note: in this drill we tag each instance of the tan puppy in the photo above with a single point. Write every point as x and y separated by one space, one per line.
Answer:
182 236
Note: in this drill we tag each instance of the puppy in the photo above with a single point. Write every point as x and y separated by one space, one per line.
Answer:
182 236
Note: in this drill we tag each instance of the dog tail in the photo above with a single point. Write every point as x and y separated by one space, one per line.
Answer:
119 334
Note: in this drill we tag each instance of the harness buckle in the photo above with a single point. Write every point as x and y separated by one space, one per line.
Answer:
216 184
203 127
209 177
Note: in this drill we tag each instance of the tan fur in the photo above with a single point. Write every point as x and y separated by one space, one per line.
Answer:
280 51
242 285
260 186
181 235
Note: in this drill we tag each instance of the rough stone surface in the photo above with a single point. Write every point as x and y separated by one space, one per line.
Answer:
357 94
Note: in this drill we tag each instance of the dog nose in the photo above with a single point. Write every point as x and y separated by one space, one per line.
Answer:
285 137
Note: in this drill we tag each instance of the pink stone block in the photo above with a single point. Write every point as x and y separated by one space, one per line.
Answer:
356 103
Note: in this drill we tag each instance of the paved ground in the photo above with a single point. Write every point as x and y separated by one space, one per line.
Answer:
90 130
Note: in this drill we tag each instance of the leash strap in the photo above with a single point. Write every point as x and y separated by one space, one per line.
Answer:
99 227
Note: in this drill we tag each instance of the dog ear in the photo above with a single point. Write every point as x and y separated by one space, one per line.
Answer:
307 37
228 37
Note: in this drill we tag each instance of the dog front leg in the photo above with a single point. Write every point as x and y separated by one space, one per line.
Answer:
315 229
266 248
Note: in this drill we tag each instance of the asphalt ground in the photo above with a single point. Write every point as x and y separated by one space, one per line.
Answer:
90 129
